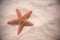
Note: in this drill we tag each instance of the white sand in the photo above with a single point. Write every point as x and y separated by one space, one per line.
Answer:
45 17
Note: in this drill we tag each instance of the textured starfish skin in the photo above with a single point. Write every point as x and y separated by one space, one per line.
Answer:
21 20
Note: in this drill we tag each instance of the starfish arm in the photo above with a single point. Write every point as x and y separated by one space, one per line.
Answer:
28 23
12 21
18 13
28 14
20 28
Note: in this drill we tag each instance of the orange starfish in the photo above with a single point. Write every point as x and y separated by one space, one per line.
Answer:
21 20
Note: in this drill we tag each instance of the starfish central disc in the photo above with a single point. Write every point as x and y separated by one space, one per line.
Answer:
22 20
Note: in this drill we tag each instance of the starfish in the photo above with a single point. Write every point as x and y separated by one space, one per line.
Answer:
21 20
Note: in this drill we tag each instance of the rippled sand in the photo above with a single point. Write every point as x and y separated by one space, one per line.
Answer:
45 17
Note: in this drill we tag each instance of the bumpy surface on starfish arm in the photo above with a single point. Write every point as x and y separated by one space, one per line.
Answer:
20 27
18 13
28 23
28 14
13 21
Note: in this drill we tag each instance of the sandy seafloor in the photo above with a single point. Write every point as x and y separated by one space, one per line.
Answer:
45 16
